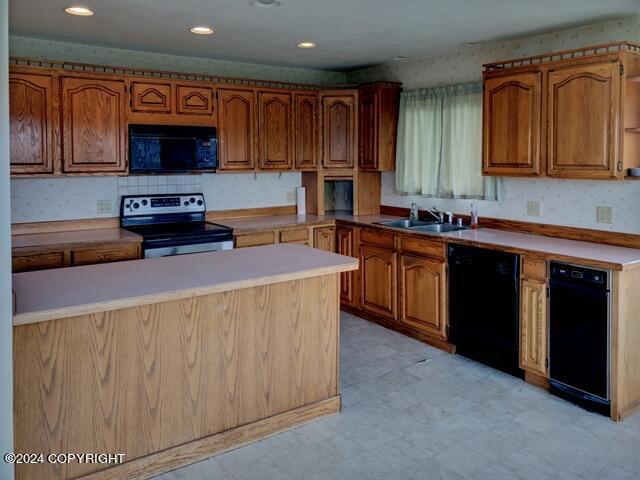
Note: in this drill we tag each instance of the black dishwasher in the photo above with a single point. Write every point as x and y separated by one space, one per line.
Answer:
484 295
579 335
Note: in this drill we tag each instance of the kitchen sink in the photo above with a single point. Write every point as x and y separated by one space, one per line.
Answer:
437 228
404 223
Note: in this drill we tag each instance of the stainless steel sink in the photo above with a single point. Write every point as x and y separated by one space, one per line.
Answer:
404 223
437 228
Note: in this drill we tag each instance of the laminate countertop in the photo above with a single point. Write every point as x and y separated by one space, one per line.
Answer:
66 292
242 225
78 238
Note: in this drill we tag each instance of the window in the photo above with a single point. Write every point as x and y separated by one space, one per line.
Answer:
440 144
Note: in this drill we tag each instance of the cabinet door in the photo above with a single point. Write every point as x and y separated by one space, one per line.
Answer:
345 246
339 131
423 294
533 326
583 114
306 131
324 238
150 97
236 129
275 130
512 125
378 284
93 125
368 131
194 100
30 123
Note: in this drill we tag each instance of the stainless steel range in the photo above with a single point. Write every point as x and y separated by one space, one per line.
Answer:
173 224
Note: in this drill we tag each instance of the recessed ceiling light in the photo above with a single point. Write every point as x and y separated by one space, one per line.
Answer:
201 30
306 45
265 3
80 11
400 58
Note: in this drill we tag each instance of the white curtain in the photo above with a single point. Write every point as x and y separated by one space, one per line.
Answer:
439 151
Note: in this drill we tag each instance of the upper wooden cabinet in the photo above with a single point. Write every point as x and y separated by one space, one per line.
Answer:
305 131
378 126
584 110
236 129
31 123
195 100
275 130
512 124
339 129
150 97
93 125
577 117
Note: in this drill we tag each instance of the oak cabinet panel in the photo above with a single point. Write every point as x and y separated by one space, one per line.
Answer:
275 130
306 131
38 261
150 97
533 326
236 129
378 282
512 125
93 125
105 254
378 106
324 238
194 100
294 235
339 130
423 295
30 123
583 114
255 239
345 245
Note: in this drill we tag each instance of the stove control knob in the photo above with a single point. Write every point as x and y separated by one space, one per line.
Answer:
192 200
136 205
144 202
200 202
186 204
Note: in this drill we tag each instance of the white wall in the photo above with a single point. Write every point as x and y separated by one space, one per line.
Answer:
564 202
6 329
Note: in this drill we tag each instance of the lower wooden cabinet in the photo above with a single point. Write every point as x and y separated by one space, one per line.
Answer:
533 326
117 252
422 294
378 280
346 245
267 237
324 238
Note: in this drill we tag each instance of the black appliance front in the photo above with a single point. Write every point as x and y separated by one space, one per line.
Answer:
579 335
172 149
484 296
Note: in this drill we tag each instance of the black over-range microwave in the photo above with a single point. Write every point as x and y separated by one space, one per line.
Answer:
172 149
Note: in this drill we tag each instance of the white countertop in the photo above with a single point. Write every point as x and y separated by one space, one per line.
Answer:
65 292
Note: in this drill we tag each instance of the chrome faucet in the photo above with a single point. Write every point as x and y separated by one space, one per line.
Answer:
437 214
413 215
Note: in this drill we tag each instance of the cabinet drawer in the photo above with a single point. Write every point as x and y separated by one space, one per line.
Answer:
377 237
256 239
110 253
426 248
535 269
298 235
39 261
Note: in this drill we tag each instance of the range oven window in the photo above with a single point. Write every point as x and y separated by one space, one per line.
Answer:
167 149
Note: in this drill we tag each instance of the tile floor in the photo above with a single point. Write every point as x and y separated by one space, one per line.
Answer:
414 412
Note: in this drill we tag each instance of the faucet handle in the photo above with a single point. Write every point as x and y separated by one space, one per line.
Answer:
449 217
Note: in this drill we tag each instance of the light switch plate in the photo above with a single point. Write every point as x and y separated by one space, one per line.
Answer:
533 208
604 215
104 206
291 196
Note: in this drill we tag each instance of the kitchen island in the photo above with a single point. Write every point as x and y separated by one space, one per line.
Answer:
174 359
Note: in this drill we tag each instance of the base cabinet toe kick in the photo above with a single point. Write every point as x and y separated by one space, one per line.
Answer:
576 338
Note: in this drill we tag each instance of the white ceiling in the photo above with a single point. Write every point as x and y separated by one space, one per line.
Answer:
349 33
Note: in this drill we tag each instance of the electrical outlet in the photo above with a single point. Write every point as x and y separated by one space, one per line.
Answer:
104 206
604 215
291 196
533 208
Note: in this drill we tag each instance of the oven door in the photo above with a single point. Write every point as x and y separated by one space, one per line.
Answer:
167 251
